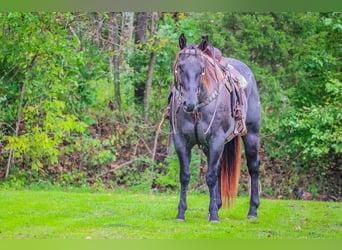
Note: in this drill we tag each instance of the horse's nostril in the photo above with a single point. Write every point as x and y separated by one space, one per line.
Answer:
190 107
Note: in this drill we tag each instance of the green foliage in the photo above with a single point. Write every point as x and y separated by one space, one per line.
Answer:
138 176
38 54
313 131
92 152
168 176
40 145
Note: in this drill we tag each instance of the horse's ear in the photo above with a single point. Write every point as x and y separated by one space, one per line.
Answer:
204 43
182 41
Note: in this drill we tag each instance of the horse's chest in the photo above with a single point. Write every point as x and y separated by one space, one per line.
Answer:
187 126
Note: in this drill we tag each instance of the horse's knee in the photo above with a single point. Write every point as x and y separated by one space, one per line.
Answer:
252 157
253 167
184 178
211 178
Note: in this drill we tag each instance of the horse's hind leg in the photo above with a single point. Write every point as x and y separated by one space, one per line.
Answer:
218 190
251 142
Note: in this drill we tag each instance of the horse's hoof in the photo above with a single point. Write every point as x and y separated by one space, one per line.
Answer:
179 218
251 217
213 220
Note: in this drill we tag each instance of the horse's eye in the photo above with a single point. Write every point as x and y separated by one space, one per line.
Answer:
201 74
180 68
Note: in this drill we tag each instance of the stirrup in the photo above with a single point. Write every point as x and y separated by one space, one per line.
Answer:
240 128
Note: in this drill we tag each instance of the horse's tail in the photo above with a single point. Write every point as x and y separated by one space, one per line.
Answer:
230 171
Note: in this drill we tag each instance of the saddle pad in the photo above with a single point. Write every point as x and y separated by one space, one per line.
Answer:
237 77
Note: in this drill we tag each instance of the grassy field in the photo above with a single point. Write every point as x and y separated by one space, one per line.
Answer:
32 214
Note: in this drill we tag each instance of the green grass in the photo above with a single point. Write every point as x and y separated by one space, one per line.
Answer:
32 214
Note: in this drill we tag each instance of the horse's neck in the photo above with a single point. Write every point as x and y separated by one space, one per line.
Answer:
207 91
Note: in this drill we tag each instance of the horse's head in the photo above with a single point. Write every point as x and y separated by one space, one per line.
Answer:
189 72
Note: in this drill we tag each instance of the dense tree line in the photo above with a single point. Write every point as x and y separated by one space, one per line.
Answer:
82 94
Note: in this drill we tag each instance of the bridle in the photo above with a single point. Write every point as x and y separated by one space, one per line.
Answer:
199 132
186 51
178 87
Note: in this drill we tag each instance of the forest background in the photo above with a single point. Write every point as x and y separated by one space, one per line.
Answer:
82 95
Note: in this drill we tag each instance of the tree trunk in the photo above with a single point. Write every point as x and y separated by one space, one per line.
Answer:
17 126
19 117
141 27
97 33
148 85
127 27
140 37
114 57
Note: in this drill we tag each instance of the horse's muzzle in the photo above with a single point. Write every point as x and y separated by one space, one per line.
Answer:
189 108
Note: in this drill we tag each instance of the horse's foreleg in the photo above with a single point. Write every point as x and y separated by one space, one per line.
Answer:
215 200
218 189
213 184
251 142
184 156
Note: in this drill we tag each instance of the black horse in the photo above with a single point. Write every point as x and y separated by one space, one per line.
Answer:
215 102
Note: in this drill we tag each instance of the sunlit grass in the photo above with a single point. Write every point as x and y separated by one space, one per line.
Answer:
119 214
